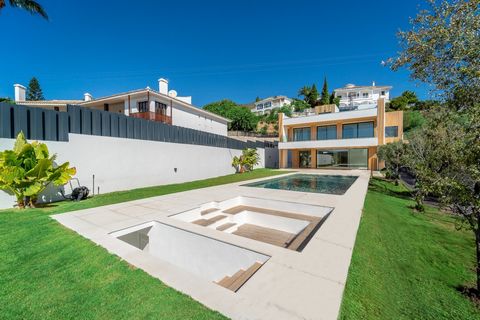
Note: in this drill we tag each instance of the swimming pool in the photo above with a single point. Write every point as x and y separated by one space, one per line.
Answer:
331 184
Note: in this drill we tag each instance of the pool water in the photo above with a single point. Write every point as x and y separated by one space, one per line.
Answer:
331 184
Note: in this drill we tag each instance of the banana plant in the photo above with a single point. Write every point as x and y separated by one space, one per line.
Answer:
28 169
246 161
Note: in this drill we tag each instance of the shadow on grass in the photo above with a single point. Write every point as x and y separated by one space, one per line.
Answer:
471 293
389 188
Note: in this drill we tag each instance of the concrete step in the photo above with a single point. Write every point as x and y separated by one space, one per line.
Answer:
207 222
226 226
207 211
227 281
237 280
241 279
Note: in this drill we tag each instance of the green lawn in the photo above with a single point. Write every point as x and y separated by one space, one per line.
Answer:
407 265
49 272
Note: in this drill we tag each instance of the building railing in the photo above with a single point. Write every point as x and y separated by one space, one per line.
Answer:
152 116
333 143
314 139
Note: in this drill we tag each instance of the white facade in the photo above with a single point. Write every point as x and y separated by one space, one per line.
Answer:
268 104
124 164
354 97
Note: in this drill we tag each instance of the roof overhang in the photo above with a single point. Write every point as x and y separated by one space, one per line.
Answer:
121 96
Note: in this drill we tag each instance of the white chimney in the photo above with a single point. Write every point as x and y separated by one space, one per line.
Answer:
163 86
20 92
87 97
373 84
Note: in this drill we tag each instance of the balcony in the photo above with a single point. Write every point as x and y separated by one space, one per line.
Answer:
330 117
334 143
152 116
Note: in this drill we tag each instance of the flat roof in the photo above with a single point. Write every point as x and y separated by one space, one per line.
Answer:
362 87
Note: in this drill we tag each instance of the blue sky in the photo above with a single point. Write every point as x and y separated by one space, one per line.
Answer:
208 49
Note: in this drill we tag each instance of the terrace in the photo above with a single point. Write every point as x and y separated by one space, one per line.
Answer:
241 250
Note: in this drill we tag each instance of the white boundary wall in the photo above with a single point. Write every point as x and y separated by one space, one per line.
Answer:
123 164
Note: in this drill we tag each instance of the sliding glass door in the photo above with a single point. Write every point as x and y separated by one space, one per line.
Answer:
352 158
305 159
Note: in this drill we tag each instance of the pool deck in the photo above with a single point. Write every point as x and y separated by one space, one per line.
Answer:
291 285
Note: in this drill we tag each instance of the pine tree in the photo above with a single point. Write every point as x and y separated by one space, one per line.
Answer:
313 97
34 92
325 98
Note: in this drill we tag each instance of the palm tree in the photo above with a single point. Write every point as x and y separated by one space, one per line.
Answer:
304 91
31 6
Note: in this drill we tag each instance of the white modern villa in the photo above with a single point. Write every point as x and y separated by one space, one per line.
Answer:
161 105
268 104
353 97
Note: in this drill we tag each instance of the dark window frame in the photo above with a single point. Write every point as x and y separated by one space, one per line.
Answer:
302 128
326 132
357 124
388 134
143 106
161 107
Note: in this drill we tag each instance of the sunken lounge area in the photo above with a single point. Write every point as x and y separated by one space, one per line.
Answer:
283 224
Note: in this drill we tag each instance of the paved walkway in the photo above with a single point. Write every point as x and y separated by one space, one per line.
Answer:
291 285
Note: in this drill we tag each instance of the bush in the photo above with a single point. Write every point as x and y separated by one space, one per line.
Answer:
246 161
28 169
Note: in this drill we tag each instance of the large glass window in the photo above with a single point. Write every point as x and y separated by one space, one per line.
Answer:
358 130
327 132
391 131
353 158
301 134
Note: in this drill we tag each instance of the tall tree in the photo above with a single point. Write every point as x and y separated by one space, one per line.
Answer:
441 49
313 98
29 5
325 97
34 92
334 100
305 92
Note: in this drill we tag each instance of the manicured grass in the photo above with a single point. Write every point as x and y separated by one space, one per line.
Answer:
49 272
407 265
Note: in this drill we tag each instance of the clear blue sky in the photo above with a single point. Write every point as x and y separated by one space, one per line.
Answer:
208 49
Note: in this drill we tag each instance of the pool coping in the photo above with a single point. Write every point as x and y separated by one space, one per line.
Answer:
291 285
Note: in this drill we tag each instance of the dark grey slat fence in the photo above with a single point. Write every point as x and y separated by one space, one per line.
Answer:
49 125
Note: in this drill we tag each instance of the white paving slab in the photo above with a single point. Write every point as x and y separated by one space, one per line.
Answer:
290 285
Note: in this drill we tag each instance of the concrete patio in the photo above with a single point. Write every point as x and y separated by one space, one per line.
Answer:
290 285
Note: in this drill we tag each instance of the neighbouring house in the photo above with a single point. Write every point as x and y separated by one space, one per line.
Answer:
347 139
354 97
163 105
268 104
